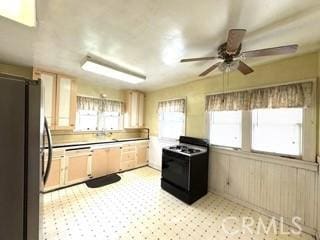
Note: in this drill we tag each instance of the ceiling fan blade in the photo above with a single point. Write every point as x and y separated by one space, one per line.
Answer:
210 69
197 59
244 68
271 51
235 37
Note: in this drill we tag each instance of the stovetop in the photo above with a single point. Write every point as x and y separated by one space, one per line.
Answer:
187 149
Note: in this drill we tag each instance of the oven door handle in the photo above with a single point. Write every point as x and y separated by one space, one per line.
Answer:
49 163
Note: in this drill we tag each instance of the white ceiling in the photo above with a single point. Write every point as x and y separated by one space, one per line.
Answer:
150 37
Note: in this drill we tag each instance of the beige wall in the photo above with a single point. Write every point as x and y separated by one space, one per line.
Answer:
95 90
20 71
287 70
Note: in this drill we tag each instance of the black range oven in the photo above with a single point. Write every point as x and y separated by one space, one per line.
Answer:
185 169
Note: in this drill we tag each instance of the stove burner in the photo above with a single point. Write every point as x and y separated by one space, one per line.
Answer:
184 149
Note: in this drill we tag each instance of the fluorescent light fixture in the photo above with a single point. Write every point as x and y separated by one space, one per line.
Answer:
115 72
22 11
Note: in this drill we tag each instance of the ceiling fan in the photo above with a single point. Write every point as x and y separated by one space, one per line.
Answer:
230 55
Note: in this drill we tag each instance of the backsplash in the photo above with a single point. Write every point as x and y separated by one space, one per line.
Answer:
63 136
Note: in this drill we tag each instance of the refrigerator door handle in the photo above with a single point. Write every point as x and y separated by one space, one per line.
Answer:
48 133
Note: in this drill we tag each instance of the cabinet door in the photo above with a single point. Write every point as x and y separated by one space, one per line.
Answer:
100 162
48 81
141 110
55 175
134 109
113 165
142 155
65 103
77 169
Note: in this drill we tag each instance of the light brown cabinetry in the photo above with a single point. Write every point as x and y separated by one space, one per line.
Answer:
54 178
134 110
66 101
99 162
134 155
113 165
105 161
78 166
128 157
70 166
142 154
56 174
59 98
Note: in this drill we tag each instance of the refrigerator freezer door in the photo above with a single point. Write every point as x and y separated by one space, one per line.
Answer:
12 163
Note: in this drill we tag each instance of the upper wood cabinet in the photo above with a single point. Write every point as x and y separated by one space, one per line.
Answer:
59 99
49 85
134 110
66 101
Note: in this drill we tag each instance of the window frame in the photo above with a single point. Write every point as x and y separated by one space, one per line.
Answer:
184 122
309 131
121 124
303 126
168 138
223 146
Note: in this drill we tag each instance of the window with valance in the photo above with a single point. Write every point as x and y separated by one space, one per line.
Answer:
99 114
172 118
277 116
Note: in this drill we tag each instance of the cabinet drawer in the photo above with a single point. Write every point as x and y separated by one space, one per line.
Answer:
128 156
127 165
129 149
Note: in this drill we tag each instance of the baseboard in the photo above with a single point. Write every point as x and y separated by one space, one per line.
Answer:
262 211
155 166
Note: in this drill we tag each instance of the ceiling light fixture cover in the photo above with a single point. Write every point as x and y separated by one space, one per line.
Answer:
115 72
22 11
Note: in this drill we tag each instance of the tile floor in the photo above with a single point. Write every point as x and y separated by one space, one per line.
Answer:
137 208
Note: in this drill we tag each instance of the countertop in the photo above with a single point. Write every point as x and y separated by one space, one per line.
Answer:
76 144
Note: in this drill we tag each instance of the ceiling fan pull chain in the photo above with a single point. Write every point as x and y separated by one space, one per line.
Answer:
223 96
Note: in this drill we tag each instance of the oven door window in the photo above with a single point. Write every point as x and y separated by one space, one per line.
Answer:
176 170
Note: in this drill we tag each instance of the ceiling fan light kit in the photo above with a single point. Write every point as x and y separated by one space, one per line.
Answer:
231 57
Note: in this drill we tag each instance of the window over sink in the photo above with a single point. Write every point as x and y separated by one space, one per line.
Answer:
96 114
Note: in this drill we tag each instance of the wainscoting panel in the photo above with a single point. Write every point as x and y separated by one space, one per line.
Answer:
278 188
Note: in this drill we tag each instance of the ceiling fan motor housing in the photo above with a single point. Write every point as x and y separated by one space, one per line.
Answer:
222 52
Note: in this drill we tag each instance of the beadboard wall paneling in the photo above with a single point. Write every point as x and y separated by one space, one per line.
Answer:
276 188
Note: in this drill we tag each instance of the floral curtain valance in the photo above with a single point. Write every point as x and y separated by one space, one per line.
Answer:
286 96
177 105
102 105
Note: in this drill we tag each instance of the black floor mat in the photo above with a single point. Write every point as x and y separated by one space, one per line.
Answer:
103 181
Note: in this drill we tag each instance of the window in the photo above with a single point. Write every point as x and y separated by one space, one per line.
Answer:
277 130
110 121
171 124
225 128
87 120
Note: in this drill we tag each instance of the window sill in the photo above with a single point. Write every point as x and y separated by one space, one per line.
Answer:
304 164
173 140
98 131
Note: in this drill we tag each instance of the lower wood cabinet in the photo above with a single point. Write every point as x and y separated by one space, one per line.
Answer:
142 154
55 178
78 166
113 165
105 161
99 162
56 174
